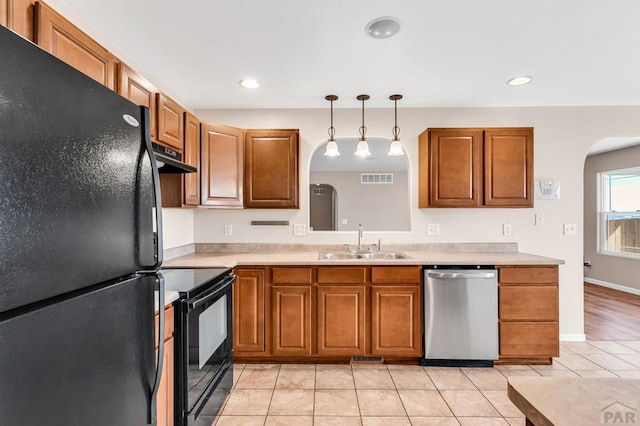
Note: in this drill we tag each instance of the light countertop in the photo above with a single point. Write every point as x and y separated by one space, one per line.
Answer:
567 401
200 260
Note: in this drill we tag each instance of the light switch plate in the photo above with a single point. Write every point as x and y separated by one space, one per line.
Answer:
433 229
228 230
345 221
507 229
539 219
299 230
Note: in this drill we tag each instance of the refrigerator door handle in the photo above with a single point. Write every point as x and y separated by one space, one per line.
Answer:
153 406
156 188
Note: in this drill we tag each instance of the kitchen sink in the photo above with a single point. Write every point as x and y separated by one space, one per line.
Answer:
346 255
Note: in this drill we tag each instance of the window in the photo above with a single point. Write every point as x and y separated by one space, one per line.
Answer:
620 212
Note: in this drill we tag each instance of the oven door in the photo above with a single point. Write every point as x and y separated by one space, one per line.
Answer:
207 348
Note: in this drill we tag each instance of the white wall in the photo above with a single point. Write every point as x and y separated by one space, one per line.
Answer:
562 137
177 227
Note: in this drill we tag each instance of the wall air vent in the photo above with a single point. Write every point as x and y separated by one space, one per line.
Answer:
319 191
376 178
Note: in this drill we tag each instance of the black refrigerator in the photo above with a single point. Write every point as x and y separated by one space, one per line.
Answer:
79 226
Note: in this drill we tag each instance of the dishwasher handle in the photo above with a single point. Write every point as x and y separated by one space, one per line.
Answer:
464 274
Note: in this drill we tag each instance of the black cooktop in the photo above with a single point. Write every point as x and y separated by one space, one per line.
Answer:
187 281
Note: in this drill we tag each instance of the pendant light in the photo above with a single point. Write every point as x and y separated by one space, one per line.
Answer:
396 147
362 150
332 146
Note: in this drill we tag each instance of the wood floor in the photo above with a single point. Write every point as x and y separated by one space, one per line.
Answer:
610 314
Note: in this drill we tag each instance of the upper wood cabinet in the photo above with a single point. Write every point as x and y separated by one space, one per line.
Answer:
508 167
271 169
62 39
18 15
139 91
221 171
170 122
192 158
476 167
4 6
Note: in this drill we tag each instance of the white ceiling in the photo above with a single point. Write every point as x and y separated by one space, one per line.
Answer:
448 52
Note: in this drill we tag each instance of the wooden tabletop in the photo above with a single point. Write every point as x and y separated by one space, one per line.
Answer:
581 401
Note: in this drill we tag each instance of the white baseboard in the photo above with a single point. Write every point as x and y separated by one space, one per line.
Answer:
573 337
626 289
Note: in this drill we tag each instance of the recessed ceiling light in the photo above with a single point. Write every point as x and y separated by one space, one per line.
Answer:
383 27
519 81
249 84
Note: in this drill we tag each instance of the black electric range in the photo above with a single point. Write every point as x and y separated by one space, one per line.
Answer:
204 341
191 282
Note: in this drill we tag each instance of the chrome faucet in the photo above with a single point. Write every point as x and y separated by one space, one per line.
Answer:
359 237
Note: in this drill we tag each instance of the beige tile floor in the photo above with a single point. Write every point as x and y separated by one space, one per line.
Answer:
319 395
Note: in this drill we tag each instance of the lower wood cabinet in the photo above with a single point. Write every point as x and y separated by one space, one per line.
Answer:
291 319
327 312
341 320
528 312
165 409
396 320
248 311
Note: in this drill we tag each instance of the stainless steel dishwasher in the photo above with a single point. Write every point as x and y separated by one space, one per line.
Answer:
461 316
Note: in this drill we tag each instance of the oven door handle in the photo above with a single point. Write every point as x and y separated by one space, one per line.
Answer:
205 298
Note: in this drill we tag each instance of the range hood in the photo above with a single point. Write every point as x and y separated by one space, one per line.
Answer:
170 161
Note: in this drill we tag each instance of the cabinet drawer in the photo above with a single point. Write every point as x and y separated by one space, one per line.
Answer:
346 275
532 303
525 339
529 275
396 274
291 275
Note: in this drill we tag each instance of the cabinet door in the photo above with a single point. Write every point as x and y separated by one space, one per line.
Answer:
396 325
139 91
222 166
291 321
508 167
170 123
192 157
455 164
18 15
4 11
341 320
62 39
271 169
165 394
165 390
248 311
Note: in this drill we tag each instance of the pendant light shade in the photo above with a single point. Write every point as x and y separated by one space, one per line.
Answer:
332 147
396 147
362 150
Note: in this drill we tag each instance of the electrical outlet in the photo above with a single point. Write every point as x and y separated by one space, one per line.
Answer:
228 230
299 230
345 221
539 219
507 229
570 229
433 229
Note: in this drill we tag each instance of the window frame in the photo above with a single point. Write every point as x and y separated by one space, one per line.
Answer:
604 209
